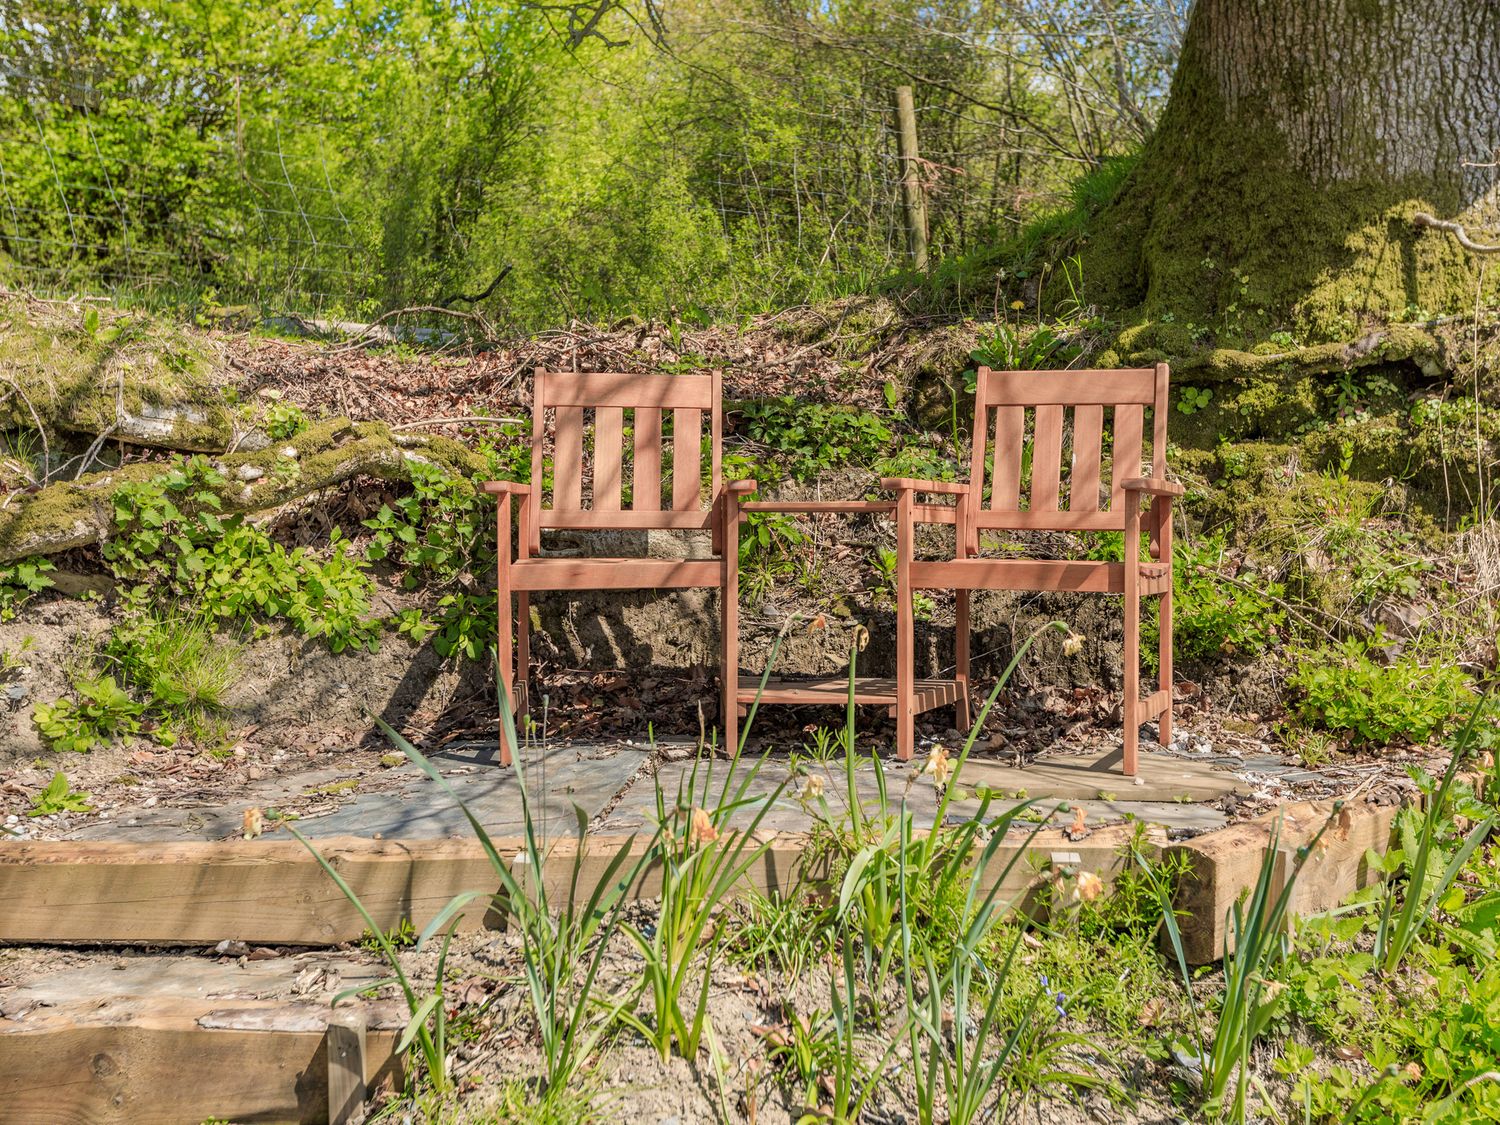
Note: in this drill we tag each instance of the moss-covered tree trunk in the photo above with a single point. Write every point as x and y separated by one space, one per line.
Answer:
1300 137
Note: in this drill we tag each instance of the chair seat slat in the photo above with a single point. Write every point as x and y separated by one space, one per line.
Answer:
1088 436
1046 458
1005 494
645 492
687 458
567 458
609 455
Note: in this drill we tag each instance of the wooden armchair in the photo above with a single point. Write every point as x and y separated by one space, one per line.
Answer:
606 404
1031 407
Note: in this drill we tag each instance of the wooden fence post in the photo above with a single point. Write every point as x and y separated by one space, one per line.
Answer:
911 178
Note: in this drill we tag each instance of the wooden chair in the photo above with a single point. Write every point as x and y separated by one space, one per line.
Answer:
605 405
1038 403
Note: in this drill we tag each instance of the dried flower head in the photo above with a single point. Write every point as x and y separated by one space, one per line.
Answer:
254 823
812 788
1090 886
939 766
1073 644
701 829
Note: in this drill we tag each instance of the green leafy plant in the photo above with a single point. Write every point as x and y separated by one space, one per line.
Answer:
701 859
171 540
812 437
178 662
1190 400
1422 871
1257 942
20 582
1340 688
101 712
59 796
284 420
1212 617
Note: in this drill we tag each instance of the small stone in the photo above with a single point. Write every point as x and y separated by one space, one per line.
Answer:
289 451
248 473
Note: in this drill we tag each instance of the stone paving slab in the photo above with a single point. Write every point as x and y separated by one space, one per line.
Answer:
636 809
409 805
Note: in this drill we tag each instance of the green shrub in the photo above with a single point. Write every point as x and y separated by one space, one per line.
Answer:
20 581
813 438
1212 617
101 711
1342 689
171 539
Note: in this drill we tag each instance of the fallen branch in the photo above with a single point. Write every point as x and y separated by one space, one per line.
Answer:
1423 219
80 513
364 334
456 421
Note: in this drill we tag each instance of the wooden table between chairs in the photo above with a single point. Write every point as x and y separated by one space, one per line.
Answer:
880 691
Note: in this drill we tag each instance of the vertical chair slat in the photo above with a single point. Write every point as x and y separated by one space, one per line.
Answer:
645 492
1088 437
1005 495
1046 458
687 456
567 459
1129 420
609 422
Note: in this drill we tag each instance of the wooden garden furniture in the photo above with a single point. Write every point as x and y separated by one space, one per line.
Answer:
1061 418
601 482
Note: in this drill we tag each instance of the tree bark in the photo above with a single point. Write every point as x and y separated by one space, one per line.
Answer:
1300 138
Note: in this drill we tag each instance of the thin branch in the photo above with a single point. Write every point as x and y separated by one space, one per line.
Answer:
1423 219
456 421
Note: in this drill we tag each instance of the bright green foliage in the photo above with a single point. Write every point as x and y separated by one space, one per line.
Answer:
1343 689
439 534
169 535
811 438
101 711
284 420
20 581
1212 618
435 532
178 664
58 797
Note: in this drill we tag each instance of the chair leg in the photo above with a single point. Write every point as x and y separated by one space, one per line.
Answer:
523 660
503 662
1132 657
906 719
1132 661
962 718
729 658
1164 658
729 623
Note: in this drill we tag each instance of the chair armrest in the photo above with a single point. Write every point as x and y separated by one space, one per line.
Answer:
500 486
741 486
1152 486
945 487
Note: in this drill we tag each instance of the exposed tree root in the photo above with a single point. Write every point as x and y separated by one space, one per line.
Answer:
79 513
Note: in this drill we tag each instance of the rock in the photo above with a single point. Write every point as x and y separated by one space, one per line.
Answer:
289 451
248 473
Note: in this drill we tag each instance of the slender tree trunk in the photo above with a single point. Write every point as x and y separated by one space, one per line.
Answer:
1299 139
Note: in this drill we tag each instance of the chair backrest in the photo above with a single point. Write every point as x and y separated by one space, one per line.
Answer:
624 486
1059 419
